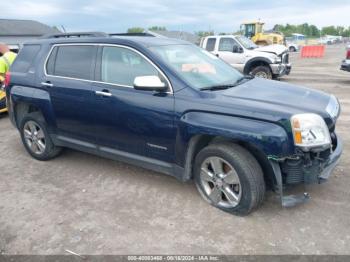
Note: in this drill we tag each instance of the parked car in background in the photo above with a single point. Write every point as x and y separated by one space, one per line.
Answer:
172 107
346 62
292 47
240 52
330 40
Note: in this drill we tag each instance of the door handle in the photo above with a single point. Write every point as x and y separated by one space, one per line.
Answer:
103 93
217 55
47 84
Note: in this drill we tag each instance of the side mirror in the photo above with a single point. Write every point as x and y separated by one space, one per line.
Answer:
149 83
237 49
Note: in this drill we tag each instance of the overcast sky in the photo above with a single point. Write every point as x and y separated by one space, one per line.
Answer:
195 15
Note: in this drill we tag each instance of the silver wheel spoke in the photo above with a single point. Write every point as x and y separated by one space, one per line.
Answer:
27 134
231 178
40 134
41 146
216 165
34 147
215 195
206 175
32 127
231 196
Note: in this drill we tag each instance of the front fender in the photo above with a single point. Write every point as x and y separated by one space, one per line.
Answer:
270 138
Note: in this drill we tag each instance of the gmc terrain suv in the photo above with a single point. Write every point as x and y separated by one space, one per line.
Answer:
172 107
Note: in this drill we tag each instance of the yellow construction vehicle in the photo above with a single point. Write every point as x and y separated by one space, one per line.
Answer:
254 30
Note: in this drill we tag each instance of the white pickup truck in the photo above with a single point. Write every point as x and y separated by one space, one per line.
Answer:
240 52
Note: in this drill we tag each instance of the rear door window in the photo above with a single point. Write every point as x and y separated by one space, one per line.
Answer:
72 61
25 58
210 44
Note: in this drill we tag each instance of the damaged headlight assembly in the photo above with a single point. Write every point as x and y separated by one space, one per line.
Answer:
310 131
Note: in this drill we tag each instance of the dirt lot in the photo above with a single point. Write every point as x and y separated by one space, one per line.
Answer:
92 205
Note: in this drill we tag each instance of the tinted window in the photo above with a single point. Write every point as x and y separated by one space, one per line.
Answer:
227 44
210 44
122 65
25 58
72 61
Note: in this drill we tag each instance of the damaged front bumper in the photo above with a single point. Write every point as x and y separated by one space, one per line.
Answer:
279 70
314 170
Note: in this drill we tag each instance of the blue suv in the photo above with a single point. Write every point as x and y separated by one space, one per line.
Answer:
172 107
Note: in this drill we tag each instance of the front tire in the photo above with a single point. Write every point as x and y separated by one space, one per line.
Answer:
262 72
292 49
36 138
229 178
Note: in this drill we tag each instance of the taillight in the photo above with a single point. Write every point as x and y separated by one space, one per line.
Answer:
7 79
348 54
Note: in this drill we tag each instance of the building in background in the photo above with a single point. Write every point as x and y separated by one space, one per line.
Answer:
15 32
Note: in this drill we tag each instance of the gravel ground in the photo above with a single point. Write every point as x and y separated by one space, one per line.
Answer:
92 205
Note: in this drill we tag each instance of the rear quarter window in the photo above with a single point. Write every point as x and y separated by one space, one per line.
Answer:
25 58
210 44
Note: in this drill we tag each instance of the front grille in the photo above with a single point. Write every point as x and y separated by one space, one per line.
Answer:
285 58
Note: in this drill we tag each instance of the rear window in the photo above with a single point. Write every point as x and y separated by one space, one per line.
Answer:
210 44
72 61
25 58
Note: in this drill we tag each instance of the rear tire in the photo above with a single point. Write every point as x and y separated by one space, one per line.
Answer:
36 138
238 187
262 72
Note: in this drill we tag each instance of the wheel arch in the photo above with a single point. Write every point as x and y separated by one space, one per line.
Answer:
199 142
258 61
27 100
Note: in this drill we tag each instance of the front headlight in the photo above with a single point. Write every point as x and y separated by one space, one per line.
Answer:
277 59
310 130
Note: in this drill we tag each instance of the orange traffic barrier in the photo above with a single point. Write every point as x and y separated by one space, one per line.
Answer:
313 51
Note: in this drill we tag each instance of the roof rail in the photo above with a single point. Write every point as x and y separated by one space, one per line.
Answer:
131 34
75 34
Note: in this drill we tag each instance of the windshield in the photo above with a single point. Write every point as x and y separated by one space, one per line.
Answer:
196 66
246 42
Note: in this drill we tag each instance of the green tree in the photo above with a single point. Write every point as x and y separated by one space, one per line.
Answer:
329 30
204 33
136 30
157 28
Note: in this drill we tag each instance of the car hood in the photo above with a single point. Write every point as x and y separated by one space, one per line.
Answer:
274 49
274 100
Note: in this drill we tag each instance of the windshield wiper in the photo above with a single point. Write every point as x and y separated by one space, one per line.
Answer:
227 86
217 87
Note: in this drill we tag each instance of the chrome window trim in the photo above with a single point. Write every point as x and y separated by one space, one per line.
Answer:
171 91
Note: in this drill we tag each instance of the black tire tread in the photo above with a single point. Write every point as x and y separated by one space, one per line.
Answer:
260 67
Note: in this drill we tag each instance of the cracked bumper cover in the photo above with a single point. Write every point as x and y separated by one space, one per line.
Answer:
281 69
332 161
327 169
